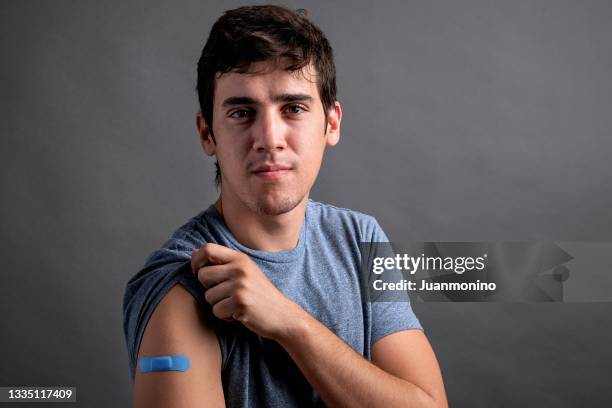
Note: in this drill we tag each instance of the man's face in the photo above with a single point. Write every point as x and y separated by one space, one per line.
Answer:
269 128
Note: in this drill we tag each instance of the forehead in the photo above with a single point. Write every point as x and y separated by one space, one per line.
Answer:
264 80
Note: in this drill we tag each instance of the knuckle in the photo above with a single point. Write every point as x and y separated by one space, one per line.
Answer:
236 273
241 271
239 285
207 249
241 299
245 260
216 309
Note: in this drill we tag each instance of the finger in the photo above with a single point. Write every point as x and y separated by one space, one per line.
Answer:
211 253
219 292
198 260
224 309
212 275
219 254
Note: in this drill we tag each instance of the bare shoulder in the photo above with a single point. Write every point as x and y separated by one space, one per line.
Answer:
178 326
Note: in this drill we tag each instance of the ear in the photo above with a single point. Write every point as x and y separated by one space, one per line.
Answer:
334 117
206 139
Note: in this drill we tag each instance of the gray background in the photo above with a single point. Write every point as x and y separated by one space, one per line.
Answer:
465 120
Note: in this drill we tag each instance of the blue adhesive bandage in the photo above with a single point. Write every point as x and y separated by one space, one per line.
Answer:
164 363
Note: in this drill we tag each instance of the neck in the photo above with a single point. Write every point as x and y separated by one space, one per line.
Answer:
270 233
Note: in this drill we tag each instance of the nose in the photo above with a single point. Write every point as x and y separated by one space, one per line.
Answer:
269 133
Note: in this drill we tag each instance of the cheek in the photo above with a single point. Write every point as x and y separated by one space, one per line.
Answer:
310 140
231 156
311 156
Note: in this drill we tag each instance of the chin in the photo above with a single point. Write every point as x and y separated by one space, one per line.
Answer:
275 205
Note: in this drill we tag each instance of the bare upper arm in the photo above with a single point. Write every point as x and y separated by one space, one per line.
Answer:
177 326
408 355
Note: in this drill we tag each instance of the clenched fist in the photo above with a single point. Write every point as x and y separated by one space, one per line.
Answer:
238 290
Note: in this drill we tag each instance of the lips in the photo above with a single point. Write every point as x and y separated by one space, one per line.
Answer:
271 171
270 168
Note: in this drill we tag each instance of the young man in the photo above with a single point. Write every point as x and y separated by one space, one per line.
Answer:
261 290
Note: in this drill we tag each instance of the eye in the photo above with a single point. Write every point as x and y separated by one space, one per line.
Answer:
295 108
241 113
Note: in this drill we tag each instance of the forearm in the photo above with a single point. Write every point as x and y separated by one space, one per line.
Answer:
340 375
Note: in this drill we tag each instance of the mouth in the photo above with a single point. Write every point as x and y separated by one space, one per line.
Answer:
271 171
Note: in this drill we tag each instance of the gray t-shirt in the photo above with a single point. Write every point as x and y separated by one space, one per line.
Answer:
321 274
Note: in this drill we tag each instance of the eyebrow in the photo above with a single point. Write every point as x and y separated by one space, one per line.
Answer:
247 100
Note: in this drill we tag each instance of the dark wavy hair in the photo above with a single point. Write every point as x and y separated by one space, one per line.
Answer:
252 34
